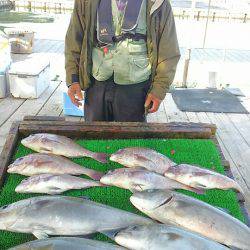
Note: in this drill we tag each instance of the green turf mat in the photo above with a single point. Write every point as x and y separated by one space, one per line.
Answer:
201 152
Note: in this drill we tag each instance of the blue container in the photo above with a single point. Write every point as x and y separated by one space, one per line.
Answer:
69 108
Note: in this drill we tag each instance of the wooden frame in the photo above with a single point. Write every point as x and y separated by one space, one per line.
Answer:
104 130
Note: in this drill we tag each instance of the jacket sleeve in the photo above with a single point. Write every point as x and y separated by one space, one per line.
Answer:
168 55
73 44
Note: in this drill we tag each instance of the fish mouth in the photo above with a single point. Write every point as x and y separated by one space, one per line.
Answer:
113 157
19 189
105 180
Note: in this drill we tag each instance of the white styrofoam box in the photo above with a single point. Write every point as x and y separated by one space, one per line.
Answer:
3 86
29 78
5 55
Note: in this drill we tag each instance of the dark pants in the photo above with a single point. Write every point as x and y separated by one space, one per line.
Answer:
107 101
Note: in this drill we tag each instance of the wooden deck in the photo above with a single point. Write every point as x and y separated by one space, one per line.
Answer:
233 129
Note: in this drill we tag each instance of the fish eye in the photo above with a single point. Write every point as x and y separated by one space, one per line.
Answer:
134 227
17 161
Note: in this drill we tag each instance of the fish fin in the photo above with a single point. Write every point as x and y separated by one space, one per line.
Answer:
55 190
96 175
199 185
45 150
137 188
143 159
101 157
110 233
40 235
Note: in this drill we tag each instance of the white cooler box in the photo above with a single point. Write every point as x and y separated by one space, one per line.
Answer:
29 78
5 60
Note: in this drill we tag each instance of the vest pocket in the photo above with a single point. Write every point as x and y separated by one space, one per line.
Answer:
101 66
140 69
141 63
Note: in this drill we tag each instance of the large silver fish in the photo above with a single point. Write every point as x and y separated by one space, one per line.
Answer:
143 157
139 179
35 164
65 216
157 236
194 215
66 243
60 145
54 184
201 178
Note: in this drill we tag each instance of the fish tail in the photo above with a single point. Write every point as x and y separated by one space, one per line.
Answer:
95 175
101 157
238 188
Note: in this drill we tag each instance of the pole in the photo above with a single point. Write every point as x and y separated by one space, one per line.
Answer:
188 46
208 13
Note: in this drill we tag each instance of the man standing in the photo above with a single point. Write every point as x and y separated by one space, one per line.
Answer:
124 54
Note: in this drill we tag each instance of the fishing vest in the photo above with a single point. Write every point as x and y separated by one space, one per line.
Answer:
127 60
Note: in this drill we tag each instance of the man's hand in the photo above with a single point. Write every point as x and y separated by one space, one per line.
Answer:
73 91
152 103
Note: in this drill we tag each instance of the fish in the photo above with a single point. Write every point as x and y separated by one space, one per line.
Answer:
60 145
65 216
167 237
183 211
66 243
143 157
139 179
38 163
201 178
54 184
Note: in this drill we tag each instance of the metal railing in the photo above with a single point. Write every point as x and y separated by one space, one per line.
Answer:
60 7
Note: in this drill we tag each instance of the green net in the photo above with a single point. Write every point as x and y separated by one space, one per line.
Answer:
201 152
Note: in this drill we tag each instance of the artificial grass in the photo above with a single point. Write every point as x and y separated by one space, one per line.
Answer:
201 152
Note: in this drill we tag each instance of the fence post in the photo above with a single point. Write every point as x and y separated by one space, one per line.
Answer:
198 15
245 18
186 66
213 16
29 6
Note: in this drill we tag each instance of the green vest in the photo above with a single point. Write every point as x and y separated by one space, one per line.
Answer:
127 60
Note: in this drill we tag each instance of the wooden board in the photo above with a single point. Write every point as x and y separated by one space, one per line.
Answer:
119 130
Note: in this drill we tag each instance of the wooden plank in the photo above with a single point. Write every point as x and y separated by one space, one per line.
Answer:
161 114
43 118
173 113
72 118
7 107
8 150
238 148
29 107
242 123
115 130
53 106
192 117
152 118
